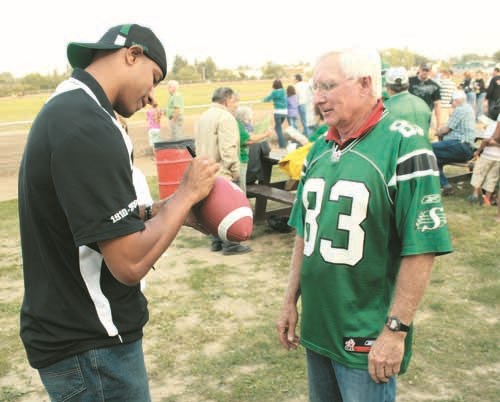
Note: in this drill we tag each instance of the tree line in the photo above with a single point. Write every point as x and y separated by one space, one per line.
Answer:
207 70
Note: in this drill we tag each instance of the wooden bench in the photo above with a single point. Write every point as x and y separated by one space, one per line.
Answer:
271 193
464 176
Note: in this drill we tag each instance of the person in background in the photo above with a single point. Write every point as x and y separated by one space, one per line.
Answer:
302 88
423 87
447 89
321 126
255 154
153 117
86 241
486 173
460 132
292 103
495 141
493 94
218 138
402 104
278 97
480 91
244 117
175 110
369 222
467 85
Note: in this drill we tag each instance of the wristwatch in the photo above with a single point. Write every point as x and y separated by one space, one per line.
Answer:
395 325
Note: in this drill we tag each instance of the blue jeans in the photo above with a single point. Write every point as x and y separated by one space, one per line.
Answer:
292 121
333 382
117 373
479 104
471 99
448 151
303 119
278 122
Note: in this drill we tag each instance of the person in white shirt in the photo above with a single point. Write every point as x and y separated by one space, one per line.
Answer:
302 89
486 172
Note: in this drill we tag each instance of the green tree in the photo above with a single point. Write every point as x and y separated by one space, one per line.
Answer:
178 64
206 69
210 68
226 75
496 56
6 78
188 74
271 70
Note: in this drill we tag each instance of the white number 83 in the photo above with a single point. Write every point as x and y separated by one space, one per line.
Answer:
351 223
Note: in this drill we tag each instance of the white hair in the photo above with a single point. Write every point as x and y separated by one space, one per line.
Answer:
173 84
357 62
244 113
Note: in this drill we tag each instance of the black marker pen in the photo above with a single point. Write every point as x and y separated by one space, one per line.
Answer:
191 151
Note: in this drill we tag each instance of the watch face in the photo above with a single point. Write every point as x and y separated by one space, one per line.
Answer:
393 325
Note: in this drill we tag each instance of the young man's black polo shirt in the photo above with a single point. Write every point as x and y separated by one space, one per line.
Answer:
75 189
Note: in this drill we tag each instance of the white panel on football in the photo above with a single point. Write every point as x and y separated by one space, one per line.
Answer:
231 218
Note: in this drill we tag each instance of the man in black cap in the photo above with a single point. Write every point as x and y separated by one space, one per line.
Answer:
85 241
423 87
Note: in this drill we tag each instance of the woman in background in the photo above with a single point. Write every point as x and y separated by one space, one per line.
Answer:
292 101
278 97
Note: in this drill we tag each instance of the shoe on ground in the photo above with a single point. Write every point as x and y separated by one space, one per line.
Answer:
447 190
473 199
216 246
486 201
236 249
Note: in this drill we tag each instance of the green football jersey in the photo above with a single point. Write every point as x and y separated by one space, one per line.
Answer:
409 107
360 210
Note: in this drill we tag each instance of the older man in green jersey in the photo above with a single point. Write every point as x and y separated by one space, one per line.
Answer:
369 222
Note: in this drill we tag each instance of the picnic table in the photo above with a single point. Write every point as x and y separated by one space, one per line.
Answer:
282 191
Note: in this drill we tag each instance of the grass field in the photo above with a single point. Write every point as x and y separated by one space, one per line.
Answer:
26 107
211 335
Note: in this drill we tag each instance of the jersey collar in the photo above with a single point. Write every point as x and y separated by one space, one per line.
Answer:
370 122
95 87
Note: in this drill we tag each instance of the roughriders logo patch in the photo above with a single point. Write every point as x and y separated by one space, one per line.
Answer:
431 219
358 345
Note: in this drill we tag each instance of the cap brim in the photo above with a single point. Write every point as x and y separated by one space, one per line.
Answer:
81 54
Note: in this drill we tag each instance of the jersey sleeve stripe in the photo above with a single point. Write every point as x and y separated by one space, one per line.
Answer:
416 163
419 163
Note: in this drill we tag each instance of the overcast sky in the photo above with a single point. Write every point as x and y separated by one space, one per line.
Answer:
35 33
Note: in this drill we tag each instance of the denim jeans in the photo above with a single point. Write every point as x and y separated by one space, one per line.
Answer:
333 382
278 122
303 119
117 373
471 99
479 104
448 151
292 121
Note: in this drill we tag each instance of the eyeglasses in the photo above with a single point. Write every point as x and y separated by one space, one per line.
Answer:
324 87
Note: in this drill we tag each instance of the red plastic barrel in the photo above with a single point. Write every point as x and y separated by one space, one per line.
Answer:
172 158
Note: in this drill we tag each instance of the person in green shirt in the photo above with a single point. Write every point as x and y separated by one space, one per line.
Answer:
280 110
175 110
401 103
244 117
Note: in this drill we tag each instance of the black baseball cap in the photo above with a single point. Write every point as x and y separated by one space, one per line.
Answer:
81 54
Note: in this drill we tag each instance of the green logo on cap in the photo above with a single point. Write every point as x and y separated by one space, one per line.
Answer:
124 29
